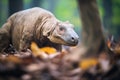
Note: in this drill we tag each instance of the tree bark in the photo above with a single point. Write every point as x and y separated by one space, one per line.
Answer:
15 5
92 33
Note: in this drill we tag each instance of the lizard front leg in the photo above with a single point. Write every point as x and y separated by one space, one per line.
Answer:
4 41
25 41
4 36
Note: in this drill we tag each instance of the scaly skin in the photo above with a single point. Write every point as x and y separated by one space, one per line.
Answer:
37 25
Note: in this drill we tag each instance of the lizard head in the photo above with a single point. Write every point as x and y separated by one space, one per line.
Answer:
64 33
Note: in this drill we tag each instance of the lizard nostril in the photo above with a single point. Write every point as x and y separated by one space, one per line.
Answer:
73 39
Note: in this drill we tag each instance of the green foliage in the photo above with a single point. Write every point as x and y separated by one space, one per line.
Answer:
116 12
64 10
67 10
116 18
27 1
3 11
101 9
112 21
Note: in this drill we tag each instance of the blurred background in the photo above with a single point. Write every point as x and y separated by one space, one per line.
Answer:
106 66
67 10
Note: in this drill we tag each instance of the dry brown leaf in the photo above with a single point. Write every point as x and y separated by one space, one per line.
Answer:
109 44
88 63
14 59
117 50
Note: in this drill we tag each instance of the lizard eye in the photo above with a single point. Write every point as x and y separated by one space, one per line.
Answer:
61 28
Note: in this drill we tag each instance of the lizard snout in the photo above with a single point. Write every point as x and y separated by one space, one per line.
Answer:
74 40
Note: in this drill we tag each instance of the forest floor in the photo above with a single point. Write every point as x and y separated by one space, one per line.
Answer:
48 64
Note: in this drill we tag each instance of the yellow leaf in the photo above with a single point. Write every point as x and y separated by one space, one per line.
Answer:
35 49
88 63
49 50
45 52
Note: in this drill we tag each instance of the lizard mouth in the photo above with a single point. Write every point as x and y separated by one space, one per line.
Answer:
70 41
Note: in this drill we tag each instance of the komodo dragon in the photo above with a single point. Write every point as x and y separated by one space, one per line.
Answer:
38 25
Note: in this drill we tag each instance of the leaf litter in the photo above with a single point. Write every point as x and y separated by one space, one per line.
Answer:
48 64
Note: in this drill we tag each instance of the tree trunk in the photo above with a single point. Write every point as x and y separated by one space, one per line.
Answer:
92 35
15 5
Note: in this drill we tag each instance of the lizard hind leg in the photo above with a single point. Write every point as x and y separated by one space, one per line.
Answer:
4 38
4 41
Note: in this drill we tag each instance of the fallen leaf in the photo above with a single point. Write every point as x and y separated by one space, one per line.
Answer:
117 50
38 52
88 63
49 50
12 58
109 44
45 52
